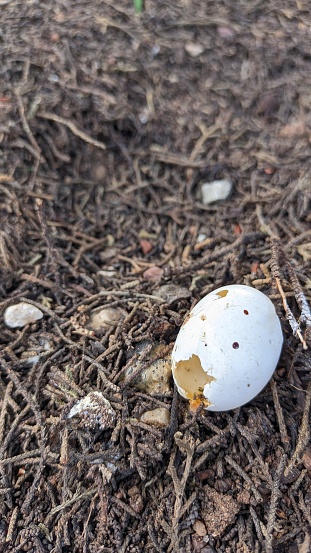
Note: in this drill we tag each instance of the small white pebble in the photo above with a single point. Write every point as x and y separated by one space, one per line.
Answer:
201 237
194 49
106 317
144 116
21 314
159 417
155 50
215 191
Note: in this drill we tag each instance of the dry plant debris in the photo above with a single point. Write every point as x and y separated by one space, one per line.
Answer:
109 123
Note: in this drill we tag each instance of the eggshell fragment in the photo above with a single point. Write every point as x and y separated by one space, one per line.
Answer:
94 409
227 349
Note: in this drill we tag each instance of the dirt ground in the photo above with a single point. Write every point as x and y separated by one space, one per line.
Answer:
110 121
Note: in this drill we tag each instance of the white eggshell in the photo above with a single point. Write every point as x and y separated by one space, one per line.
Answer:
228 348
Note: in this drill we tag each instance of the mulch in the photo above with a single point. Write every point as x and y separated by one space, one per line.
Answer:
110 121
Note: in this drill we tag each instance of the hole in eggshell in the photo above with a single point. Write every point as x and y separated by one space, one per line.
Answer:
191 379
222 293
235 345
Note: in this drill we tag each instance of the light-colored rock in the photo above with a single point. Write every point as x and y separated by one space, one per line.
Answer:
155 378
94 409
172 292
201 237
106 317
108 273
159 417
194 49
199 528
144 116
21 314
214 191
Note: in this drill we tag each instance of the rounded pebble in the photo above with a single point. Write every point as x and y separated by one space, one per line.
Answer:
159 417
21 314
215 191
199 528
105 317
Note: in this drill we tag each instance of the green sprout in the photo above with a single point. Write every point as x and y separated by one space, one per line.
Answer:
138 5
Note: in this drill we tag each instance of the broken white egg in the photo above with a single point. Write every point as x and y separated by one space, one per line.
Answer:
227 348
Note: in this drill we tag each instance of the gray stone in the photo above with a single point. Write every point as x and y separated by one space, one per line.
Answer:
104 318
21 314
215 191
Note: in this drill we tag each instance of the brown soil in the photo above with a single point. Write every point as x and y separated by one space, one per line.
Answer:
110 121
